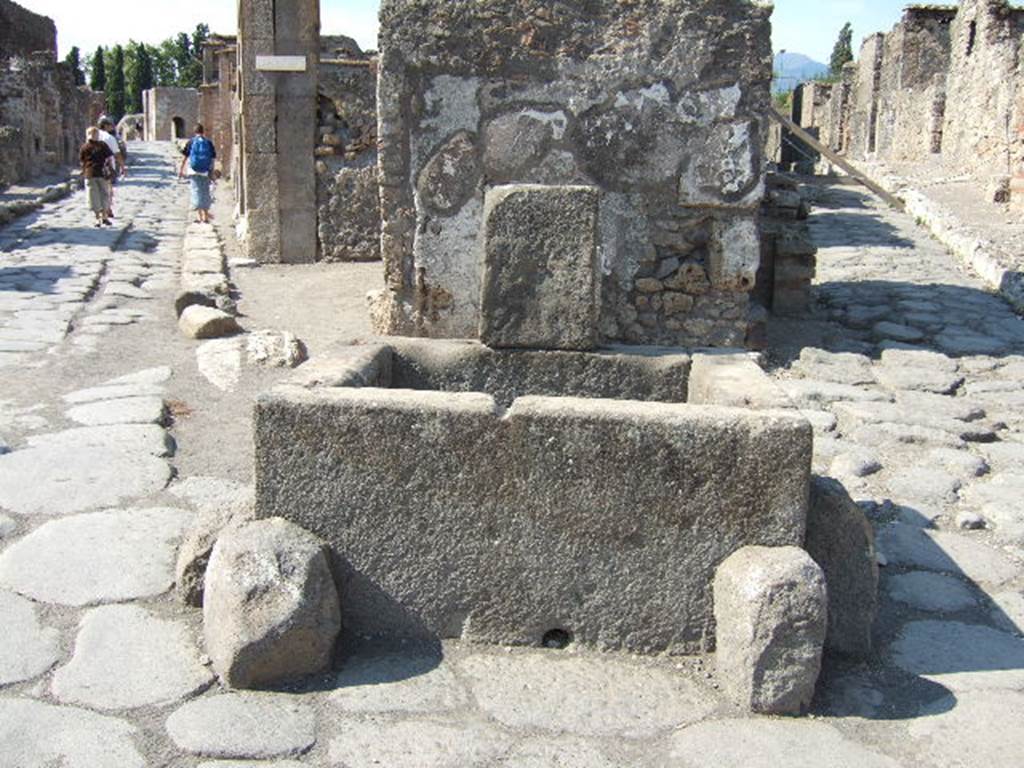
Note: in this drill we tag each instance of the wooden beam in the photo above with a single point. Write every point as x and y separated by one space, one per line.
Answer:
833 158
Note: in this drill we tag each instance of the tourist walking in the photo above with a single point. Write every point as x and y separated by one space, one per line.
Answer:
117 168
199 154
95 157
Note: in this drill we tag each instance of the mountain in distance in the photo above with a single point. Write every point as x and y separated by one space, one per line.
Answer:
791 69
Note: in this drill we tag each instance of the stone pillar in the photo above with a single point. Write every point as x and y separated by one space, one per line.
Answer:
278 121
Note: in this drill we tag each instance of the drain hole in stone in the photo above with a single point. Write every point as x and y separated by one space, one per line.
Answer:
557 639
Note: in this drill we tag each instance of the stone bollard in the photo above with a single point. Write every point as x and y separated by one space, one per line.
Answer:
841 540
770 611
270 607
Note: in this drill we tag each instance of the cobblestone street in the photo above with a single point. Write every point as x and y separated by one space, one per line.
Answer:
911 373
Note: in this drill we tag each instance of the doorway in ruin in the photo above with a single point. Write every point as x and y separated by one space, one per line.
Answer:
178 129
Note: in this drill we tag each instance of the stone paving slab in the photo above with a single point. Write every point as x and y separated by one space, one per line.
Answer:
27 648
245 725
126 657
98 557
38 735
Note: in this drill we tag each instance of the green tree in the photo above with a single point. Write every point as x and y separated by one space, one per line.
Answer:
98 71
74 60
842 53
138 75
115 86
164 70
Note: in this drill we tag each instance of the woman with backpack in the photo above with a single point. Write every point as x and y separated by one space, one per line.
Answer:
199 153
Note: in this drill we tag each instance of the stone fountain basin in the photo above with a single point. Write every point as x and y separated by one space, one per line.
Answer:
461 499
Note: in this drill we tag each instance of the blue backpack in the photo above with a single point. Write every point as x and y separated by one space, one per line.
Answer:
200 156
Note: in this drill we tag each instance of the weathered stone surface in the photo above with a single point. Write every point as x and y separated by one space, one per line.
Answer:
112 392
931 591
587 696
199 322
810 393
837 367
450 177
127 657
246 725
128 439
771 619
764 743
270 608
841 541
38 735
971 728
421 743
196 546
733 380
99 557
960 657
540 267
274 349
855 463
27 648
125 410
398 540
945 552
397 683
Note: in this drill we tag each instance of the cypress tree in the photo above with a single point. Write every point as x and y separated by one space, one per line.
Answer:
115 92
74 60
98 71
842 53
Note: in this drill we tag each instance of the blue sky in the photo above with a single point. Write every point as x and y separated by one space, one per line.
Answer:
801 26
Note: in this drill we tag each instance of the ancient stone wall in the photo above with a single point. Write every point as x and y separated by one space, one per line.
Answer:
984 78
171 113
348 205
23 33
43 116
864 106
656 104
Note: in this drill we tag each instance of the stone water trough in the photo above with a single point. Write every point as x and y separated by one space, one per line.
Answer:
525 495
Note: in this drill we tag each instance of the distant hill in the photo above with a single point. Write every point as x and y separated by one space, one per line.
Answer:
791 69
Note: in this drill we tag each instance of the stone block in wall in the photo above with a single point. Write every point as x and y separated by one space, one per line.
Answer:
727 170
734 254
540 270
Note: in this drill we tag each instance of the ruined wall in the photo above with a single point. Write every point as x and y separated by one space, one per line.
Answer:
43 116
23 33
347 195
984 77
862 138
171 113
656 104
217 97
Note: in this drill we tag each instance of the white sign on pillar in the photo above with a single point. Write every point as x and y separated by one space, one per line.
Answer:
281 63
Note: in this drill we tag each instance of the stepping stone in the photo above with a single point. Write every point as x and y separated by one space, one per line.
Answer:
113 392
128 410
127 657
99 557
220 362
583 696
199 322
417 744
960 657
117 438
27 649
38 735
243 725
157 375
931 591
397 684
57 480
765 743
969 729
